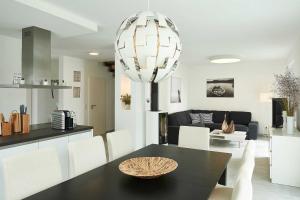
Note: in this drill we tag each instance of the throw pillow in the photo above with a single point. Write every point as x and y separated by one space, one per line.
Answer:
206 118
195 118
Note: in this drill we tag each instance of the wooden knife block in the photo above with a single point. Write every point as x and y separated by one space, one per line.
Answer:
25 123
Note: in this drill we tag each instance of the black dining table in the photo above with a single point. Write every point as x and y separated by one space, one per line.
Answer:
197 174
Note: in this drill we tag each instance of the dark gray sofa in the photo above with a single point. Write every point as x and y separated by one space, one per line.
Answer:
242 121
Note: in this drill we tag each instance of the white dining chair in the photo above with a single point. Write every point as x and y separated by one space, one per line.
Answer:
30 173
243 186
248 161
119 143
85 155
242 190
194 137
249 152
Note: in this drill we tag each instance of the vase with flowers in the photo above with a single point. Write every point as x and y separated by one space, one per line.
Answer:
288 88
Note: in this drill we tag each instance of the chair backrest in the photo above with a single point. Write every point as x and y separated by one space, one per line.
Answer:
242 190
246 170
30 173
85 155
194 137
119 143
249 152
248 162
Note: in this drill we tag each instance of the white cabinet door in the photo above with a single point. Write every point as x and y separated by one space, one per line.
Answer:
15 150
61 146
285 160
81 136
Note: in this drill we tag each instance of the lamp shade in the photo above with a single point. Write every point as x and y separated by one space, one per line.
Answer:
148 46
265 97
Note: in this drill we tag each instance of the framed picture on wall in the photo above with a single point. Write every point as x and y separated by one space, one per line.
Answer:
76 76
76 92
220 87
175 93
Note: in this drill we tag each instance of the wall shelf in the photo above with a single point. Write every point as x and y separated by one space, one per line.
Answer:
26 86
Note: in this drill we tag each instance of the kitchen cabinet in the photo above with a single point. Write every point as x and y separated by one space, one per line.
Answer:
284 157
60 143
16 150
81 136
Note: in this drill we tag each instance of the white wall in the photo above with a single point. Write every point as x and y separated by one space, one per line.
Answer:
66 101
80 105
250 79
39 102
133 119
293 63
10 62
165 88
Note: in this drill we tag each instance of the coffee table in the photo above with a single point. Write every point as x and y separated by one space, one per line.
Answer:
236 136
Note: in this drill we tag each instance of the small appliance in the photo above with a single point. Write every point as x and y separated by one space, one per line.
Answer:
63 119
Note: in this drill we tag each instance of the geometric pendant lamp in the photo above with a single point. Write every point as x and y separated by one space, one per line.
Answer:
148 46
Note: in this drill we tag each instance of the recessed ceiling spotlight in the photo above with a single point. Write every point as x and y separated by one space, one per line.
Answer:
93 53
224 59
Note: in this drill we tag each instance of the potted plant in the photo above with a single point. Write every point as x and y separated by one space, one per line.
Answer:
288 87
126 101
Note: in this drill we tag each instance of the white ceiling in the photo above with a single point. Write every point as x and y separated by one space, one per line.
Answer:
253 30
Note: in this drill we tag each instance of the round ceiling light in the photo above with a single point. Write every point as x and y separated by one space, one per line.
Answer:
93 53
148 46
224 59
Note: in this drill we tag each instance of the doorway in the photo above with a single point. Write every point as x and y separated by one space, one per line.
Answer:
97 104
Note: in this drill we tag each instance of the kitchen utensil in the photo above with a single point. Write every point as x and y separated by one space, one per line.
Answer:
62 119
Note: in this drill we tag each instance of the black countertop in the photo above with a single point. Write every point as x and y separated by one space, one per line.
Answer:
37 132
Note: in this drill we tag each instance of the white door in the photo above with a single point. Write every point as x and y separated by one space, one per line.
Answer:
97 104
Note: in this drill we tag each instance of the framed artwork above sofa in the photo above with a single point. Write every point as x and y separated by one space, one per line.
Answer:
220 87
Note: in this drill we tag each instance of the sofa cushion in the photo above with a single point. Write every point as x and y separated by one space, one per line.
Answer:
206 117
243 118
240 127
195 118
200 124
172 120
218 116
201 111
183 118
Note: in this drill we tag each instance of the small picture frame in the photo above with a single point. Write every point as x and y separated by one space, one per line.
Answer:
76 92
76 76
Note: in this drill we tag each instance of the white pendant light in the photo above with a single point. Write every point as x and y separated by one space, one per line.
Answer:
148 46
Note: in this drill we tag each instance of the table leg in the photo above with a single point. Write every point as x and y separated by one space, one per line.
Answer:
223 178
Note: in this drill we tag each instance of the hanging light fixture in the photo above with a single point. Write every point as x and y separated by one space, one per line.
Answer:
148 46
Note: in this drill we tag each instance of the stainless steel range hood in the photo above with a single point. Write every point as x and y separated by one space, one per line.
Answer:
36 59
36 54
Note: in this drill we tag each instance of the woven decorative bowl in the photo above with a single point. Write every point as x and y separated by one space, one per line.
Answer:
148 167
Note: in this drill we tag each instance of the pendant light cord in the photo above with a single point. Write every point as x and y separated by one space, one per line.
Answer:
148 6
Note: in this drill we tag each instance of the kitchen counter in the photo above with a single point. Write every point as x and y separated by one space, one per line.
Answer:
39 132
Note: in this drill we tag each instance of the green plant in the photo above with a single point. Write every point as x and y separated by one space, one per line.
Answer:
126 99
